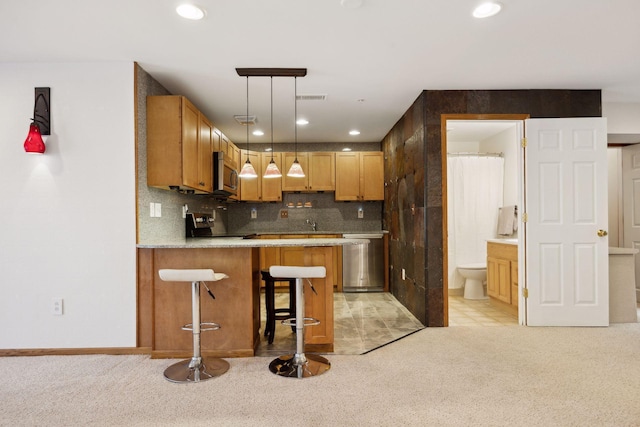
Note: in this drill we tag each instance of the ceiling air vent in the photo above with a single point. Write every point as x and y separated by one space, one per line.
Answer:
246 120
312 97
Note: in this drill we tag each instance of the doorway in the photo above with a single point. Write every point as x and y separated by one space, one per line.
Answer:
482 144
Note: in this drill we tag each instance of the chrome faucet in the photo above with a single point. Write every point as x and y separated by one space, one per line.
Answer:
313 224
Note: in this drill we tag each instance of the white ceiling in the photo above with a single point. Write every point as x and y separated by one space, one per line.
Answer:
385 52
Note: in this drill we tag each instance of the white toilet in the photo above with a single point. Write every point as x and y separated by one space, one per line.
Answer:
474 275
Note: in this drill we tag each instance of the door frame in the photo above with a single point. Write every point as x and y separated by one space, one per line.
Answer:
445 225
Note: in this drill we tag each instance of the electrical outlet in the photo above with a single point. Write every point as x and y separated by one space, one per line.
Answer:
360 213
254 213
57 306
284 213
158 210
152 210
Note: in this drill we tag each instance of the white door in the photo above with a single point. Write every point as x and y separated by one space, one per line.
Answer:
567 256
631 201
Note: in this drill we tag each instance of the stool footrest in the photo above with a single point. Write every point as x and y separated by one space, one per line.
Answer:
204 326
308 321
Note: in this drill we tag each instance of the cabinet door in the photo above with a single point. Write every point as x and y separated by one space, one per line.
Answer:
347 176
322 169
504 281
295 184
292 255
205 171
250 187
372 175
514 283
190 151
492 277
272 187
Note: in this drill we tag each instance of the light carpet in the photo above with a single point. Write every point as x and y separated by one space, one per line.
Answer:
469 376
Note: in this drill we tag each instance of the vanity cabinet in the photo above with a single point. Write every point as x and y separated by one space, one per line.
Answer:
502 275
179 145
359 176
319 169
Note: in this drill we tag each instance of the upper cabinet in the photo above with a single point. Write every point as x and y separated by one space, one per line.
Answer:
271 187
359 176
319 169
261 189
179 145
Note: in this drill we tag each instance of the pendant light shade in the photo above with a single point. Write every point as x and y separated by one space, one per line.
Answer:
247 171
296 169
34 142
272 170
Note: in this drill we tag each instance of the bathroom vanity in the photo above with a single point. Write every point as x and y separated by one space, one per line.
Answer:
502 273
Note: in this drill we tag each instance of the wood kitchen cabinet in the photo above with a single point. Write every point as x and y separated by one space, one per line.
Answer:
261 189
251 188
319 170
359 176
179 145
271 187
294 255
502 275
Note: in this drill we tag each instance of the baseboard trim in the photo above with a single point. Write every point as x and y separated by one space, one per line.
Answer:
75 351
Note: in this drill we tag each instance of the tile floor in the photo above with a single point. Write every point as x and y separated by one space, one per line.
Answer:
362 322
466 312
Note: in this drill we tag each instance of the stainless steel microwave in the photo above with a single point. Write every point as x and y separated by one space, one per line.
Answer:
225 175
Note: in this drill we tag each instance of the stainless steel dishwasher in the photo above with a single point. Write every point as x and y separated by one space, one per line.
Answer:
363 265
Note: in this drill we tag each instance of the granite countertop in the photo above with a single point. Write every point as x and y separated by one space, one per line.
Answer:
239 242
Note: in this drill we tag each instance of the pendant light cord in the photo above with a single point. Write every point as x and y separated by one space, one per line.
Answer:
247 118
295 113
271 118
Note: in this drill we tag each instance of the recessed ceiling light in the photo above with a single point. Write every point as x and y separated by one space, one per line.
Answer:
302 122
487 9
190 11
267 149
346 149
354 132
258 132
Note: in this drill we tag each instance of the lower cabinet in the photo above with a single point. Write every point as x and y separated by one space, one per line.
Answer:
502 274
294 255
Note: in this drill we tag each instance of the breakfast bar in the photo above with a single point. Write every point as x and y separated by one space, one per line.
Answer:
163 309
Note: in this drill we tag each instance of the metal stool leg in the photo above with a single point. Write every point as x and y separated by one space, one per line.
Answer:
299 365
197 368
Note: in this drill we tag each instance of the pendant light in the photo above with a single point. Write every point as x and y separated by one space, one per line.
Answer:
272 170
40 123
248 172
296 170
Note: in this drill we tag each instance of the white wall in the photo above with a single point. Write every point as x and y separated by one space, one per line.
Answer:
622 117
67 218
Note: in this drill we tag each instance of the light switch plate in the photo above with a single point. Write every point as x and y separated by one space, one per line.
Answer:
158 210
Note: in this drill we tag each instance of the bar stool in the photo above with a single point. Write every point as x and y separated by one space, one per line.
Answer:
274 313
299 365
197 368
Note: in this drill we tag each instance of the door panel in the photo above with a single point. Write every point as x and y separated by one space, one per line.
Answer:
567 273
631 202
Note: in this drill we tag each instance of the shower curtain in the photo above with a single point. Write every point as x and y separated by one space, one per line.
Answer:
474 195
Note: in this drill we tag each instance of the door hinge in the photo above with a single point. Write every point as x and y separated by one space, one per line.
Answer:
523 142
525 217
525 293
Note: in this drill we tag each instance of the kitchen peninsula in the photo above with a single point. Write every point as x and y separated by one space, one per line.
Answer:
164 307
